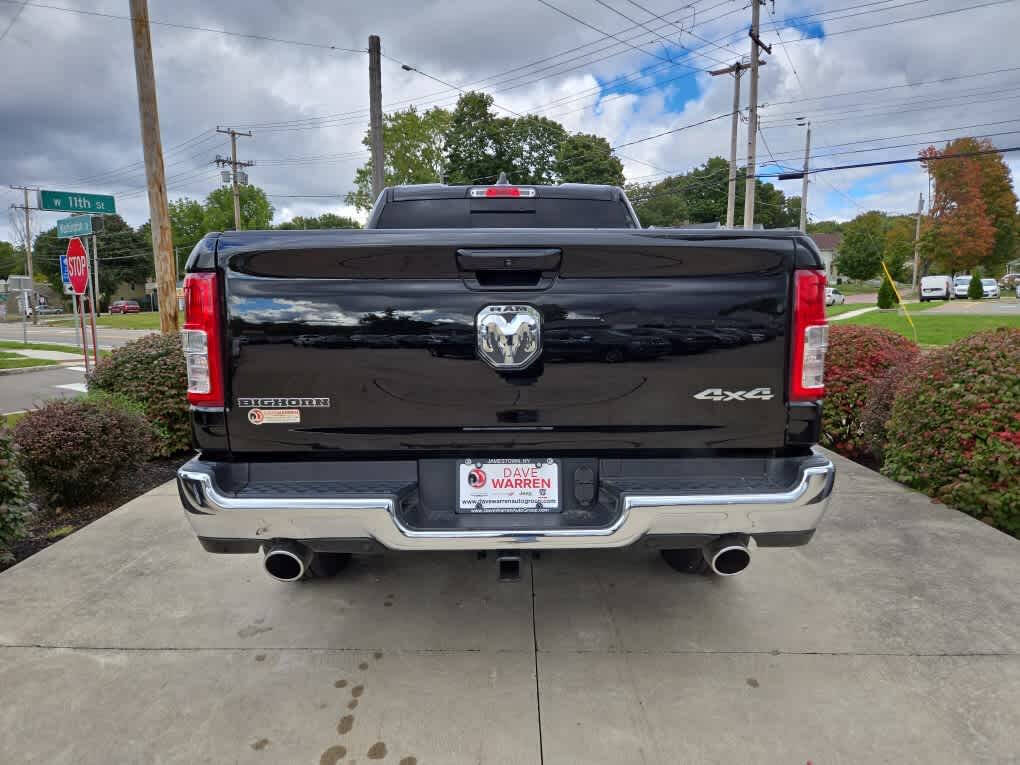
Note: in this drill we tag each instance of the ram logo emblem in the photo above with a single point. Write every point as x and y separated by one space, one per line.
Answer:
509 336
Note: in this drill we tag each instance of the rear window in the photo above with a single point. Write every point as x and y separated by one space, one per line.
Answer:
505 213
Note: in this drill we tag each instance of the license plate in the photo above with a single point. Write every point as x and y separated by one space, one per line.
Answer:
508 486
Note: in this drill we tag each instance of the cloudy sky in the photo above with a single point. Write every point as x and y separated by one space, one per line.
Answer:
891 75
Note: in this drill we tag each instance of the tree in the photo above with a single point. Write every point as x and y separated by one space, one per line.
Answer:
412 151
529 146
886 294
12 260
699 196
975 290
825 227
898 247
860 251
187 226
973 208
256 211
586 158
326 220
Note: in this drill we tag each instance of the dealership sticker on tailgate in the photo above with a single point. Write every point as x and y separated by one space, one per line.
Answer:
508 486
267 416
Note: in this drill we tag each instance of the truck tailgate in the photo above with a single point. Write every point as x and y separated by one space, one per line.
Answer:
368 342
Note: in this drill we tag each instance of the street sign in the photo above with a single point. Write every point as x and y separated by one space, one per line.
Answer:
72 201
65 275
76 225
78 265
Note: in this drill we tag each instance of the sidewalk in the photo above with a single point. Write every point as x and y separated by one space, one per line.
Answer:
892 637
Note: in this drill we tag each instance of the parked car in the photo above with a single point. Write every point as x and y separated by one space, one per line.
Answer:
991 288
936 288
309 453
834 297
49 310
125 306
960 285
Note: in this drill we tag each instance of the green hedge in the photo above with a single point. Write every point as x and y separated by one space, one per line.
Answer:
14 500
954 431
151 372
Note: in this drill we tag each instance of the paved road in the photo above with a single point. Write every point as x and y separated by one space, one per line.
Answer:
28 390
1005 306
108 338
893 637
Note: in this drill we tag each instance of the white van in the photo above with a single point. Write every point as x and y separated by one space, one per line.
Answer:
936 288
960 285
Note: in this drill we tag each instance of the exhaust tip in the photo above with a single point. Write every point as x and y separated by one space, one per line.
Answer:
286 563
728 556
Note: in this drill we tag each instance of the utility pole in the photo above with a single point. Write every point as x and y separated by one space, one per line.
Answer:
917 241
736 69
752 119
731 195
804 183
375 115
159 214
28 255
234 165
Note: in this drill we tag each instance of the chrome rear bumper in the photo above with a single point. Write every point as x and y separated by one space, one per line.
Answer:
215 515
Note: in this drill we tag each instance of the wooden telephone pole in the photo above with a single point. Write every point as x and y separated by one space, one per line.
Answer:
234 170
159 214
736 69
752 117
375 115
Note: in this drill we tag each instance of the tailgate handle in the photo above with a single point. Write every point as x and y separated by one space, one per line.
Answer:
509 260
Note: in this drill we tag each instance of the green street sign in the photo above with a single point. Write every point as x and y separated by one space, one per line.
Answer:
72 201
78 225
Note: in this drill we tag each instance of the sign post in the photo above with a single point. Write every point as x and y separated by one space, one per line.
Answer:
65 277
78 274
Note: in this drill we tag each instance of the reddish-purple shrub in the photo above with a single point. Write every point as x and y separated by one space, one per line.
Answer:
859 358
954 432
72 450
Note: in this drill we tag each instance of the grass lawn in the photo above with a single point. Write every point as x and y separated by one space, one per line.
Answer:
836 310
145 320
15 345
933 329
9 360
10 419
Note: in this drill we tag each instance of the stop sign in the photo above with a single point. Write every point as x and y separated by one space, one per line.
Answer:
77 265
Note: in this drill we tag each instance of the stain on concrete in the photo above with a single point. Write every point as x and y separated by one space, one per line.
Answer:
352 704
409 761
387 603
377 751
333 755
363 666
260 657
261 744
252 630
377 655
344 726
340 684
752 682
357 690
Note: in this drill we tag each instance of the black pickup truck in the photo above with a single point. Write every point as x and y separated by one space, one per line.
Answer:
504 368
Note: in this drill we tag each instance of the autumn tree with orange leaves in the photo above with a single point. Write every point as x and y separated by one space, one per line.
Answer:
973 213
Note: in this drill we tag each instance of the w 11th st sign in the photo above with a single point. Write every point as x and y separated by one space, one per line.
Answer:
77 266
72 201
77 225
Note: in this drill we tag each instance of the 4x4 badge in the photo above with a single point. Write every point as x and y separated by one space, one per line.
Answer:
718 394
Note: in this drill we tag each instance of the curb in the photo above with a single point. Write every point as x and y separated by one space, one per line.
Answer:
25 370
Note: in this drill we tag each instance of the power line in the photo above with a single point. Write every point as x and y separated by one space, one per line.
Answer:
902 21
14 18
961 155
191 27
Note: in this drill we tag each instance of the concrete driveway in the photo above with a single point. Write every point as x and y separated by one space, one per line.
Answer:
893 637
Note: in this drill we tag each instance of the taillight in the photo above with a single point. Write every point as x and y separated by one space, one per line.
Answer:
201 340
810 336
502 191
